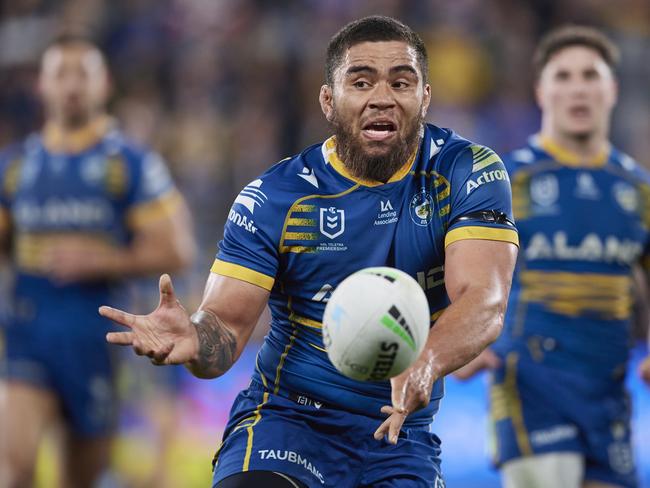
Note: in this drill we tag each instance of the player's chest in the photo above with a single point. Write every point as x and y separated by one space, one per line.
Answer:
55 191
584 215
333 237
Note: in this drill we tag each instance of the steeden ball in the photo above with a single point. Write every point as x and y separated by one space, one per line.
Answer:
375 324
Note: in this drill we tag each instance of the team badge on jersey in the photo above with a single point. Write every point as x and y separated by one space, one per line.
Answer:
332 222
421 208
626 196
544 190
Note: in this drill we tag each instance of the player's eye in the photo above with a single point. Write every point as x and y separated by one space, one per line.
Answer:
361 84
400 85
591 74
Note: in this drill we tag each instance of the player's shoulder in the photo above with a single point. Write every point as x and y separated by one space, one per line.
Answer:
525 158
451 154
116 144
629 167
293 178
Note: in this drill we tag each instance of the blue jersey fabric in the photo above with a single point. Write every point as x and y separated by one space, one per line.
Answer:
321 445
306 224
582 228
101 193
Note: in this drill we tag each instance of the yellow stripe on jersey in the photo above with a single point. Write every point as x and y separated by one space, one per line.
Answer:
521 195
484 233
164 206
302 222
569 158
299 206
436 315
317 347
574 294
249 429
301 236
505 403
307 322
5 220
242 273
483 157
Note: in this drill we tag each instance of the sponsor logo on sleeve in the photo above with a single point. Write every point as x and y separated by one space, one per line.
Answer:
242 221
487 177
252 196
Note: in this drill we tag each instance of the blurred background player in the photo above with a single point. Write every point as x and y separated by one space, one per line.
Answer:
82 209
560 409
301 422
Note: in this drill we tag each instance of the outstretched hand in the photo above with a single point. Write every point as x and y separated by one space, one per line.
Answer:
166 335
411 391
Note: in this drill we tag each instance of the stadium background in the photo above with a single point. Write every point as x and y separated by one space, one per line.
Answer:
224 88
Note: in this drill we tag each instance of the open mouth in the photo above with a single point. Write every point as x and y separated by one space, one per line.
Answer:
580 111
379 130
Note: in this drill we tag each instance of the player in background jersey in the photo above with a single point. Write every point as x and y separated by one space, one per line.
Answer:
386 189
81 210
560 411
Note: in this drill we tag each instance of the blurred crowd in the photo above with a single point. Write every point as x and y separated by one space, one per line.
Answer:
225 88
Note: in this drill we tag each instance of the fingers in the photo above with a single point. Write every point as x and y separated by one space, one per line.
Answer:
167 295
158 355
392 425
120 338
123 318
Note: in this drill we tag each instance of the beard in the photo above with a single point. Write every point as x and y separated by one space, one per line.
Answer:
375 167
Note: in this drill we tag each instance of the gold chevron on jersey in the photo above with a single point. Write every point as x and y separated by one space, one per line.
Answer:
483 157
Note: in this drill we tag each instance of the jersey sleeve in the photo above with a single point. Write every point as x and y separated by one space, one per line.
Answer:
152 194
10 166
481 199
249 249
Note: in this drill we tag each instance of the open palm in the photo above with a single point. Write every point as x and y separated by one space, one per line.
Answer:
166 335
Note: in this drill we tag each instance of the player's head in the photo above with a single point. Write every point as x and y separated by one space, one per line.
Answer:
376 94
73 81
575 82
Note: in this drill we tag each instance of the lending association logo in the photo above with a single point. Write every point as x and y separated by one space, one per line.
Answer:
332 222
421 208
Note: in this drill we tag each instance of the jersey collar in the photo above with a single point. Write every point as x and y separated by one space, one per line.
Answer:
569 158
332 158
56 139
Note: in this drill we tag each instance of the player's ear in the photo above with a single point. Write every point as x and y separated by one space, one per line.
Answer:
326 102
426 99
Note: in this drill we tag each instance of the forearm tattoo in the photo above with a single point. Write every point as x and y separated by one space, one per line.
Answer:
217 344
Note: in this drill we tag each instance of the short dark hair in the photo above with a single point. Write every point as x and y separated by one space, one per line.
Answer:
574 35
375 28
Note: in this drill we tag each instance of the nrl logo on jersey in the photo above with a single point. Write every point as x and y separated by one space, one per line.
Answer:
332 222
251 196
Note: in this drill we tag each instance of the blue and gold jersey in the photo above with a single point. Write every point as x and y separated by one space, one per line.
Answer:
99 190
582 226
306 224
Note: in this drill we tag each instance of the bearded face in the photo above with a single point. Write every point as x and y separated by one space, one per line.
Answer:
376 107
375 160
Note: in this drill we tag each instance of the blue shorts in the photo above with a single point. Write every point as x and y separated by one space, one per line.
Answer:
322 446
74 362
537 409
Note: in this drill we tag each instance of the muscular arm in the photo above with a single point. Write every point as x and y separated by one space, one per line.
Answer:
224 322
210 341
478 274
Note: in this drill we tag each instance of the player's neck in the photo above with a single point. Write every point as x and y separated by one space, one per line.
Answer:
66 138
575 151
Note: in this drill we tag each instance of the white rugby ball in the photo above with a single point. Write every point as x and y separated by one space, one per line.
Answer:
375 324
